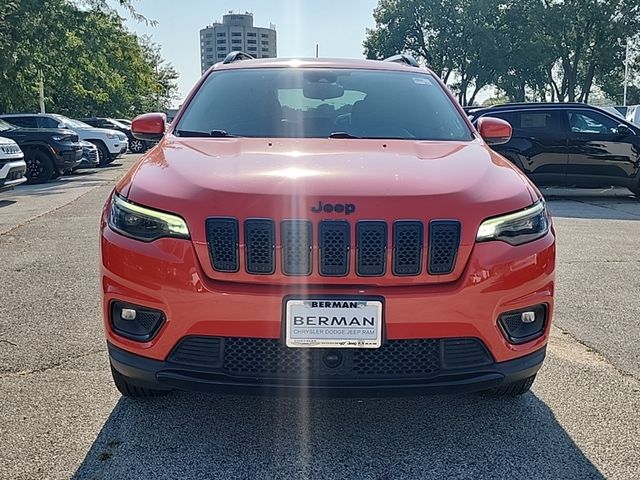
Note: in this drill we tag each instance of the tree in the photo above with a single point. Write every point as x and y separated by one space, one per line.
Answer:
455 38
557 50
92 63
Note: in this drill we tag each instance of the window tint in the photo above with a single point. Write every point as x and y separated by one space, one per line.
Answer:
48 122
533 122
583 121
26 122
288 102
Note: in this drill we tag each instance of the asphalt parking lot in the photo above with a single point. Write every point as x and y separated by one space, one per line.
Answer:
62 417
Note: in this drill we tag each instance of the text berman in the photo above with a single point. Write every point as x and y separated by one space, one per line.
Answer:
312 321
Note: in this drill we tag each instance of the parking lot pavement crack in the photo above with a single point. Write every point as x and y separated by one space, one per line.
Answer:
5 374
593 350
2 340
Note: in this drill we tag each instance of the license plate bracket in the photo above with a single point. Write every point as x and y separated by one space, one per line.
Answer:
333 322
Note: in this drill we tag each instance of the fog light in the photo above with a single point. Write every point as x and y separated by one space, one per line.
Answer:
526 317
522 326
134 321
128 314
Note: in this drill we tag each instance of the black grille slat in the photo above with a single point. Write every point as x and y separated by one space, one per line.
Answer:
371 240
334 248
444 241
260 243
407 248
297 245
222 236
297 240
270 358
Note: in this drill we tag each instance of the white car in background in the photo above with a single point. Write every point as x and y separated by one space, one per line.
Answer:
633 114
12 165
613 111
110 143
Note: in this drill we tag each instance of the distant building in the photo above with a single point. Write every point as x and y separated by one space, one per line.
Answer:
236 32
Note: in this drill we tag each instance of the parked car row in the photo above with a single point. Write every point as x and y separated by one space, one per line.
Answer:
135 145
569 144
50 145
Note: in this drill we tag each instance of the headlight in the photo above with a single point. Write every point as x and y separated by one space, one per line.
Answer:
111 136
143 223
518 227
60 138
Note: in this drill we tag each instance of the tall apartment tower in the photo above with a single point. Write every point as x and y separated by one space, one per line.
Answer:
236 32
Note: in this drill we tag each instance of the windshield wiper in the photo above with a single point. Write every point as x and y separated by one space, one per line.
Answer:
348 135
342 135
212 133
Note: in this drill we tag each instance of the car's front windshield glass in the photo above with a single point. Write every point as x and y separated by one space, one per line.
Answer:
4 126
322 103
71 123
117 123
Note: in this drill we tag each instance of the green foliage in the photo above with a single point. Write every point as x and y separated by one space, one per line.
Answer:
529 49
91 64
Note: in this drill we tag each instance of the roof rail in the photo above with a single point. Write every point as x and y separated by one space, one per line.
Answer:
235 56
403 58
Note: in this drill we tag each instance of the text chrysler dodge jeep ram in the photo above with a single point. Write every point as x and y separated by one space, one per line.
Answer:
325 225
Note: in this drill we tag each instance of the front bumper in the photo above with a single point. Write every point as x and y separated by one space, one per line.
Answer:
168 375
117 147
166 275
12 174
68 158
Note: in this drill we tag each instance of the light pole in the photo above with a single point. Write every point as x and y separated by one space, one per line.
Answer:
626 69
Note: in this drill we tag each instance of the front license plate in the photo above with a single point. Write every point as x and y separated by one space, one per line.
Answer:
337 323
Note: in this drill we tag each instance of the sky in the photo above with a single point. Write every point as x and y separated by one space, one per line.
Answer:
338 26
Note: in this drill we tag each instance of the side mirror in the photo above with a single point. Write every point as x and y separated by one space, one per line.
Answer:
494 131
149 126
624 130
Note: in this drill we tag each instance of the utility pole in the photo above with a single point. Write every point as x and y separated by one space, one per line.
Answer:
157 58
626 70
41 90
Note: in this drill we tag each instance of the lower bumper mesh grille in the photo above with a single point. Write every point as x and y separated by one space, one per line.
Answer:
269 358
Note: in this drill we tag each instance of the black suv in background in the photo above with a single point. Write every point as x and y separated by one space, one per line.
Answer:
135 145
48 152
569 144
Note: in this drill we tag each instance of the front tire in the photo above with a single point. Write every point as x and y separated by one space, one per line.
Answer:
636 191
104 156
137 146
133 391
514 389
40 167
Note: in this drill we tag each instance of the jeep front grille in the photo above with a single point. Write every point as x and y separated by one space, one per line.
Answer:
296 240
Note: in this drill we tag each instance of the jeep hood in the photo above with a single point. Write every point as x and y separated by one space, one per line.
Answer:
282 179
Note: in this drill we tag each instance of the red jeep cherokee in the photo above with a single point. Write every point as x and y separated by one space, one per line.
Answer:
325 226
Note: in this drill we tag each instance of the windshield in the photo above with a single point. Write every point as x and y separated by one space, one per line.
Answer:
71 123
321 103
4 126
118 123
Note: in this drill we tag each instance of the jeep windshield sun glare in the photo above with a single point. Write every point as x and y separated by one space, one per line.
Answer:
325 226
